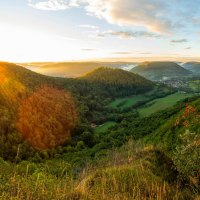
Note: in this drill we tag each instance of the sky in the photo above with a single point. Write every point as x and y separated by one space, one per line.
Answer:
70 30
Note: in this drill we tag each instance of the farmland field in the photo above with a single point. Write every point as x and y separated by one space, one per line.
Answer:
127 101
104 127
161 103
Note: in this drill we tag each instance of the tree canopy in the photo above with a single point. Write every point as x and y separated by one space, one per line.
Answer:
47 117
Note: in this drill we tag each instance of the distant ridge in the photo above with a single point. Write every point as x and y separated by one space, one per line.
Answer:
73 69
157 71
192 66
62 69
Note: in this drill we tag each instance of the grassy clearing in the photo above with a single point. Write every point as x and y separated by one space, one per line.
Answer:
127 102
104 127
161 103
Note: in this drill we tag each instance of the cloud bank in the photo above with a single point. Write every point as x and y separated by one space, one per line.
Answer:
154 15
179 41
53 4
132 34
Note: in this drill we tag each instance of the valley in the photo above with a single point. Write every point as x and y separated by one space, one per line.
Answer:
143 105
119 124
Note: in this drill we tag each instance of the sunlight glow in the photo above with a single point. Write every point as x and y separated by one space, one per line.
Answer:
19 44
10 88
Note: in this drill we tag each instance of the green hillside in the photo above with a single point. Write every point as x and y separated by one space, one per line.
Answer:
132 172
185 120
158 71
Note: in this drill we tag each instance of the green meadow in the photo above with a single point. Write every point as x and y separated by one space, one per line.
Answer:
162 103
127 101
104 127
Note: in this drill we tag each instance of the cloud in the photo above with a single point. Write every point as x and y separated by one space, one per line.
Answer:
88 26
88 49
149 14
122 52
145 53
53 4
196 20
96 33
153 15
188 48
179 41
132 34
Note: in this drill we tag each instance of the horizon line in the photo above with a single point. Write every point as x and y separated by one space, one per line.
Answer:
114 59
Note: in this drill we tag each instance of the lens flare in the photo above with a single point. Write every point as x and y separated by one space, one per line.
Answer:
10 88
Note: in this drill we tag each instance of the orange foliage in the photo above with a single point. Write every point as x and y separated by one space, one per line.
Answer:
190 116
47 117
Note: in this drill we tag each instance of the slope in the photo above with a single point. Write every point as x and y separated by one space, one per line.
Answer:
168 134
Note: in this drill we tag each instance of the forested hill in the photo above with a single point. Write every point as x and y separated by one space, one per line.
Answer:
119 78
20 87
160 70
18 83
16 78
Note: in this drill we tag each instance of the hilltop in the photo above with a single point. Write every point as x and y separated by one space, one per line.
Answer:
158 71
118 77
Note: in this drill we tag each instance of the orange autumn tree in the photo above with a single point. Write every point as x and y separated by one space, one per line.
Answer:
190 117
47 117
